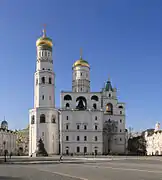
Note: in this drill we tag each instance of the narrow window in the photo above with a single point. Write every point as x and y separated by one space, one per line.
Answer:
42 97
67 138
32 119
85 127
78 149
42 118
67 117
45 53
85 149
78 138
85 138
120 120
43 80
95 117
81 74
67 105
109 95
94 106
95 138
120 130
95 127
67 126
120 112
53 119
80 89
78 127
36 81
50 80
120 139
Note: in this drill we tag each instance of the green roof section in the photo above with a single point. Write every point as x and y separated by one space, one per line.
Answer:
108 86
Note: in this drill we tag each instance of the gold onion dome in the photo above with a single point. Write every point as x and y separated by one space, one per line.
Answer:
44 40
81 62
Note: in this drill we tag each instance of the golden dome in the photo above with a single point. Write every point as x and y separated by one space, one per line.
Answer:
81 62
44 40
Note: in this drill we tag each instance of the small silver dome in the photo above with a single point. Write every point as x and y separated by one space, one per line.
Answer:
4 124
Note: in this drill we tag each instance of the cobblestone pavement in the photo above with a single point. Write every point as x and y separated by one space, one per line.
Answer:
116 169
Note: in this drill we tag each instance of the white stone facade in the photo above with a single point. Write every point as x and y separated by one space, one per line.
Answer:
86 123
154 141
7 140
43 119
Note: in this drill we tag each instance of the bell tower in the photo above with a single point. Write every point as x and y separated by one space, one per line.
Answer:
44 75
43 118
81 75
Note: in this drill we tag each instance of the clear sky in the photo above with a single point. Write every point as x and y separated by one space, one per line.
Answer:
120 38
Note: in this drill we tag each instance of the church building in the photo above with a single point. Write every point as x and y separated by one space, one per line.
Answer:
86 122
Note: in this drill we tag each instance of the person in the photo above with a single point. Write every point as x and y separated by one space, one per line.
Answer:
60 158
5 155
10 154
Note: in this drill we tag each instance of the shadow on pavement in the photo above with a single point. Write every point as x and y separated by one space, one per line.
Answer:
9 178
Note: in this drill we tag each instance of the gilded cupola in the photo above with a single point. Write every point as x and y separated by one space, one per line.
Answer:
81 62
44 40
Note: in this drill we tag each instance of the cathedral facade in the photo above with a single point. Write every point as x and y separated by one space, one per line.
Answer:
86 122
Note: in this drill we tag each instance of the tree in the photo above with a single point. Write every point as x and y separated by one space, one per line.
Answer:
41 150
137 145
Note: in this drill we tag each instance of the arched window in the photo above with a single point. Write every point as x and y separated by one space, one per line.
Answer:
85 149
67 105
43 80
67 97
109 108
81 103
42 118
94 106
50 80
32 119
94 97
120 107
53 119
78 149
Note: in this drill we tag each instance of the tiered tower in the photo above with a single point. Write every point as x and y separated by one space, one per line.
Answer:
44 116
81 76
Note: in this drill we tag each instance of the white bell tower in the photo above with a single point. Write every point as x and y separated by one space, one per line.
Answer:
81 75
43 118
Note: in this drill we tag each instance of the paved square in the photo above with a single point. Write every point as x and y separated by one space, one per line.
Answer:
143 168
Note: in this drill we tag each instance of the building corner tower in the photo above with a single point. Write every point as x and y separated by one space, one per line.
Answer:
43 118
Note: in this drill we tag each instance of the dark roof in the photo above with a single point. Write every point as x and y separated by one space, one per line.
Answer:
108 86
2 129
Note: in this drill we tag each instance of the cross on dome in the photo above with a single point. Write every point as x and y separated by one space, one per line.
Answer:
44 30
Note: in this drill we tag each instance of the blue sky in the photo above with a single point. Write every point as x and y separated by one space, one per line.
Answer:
120 39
